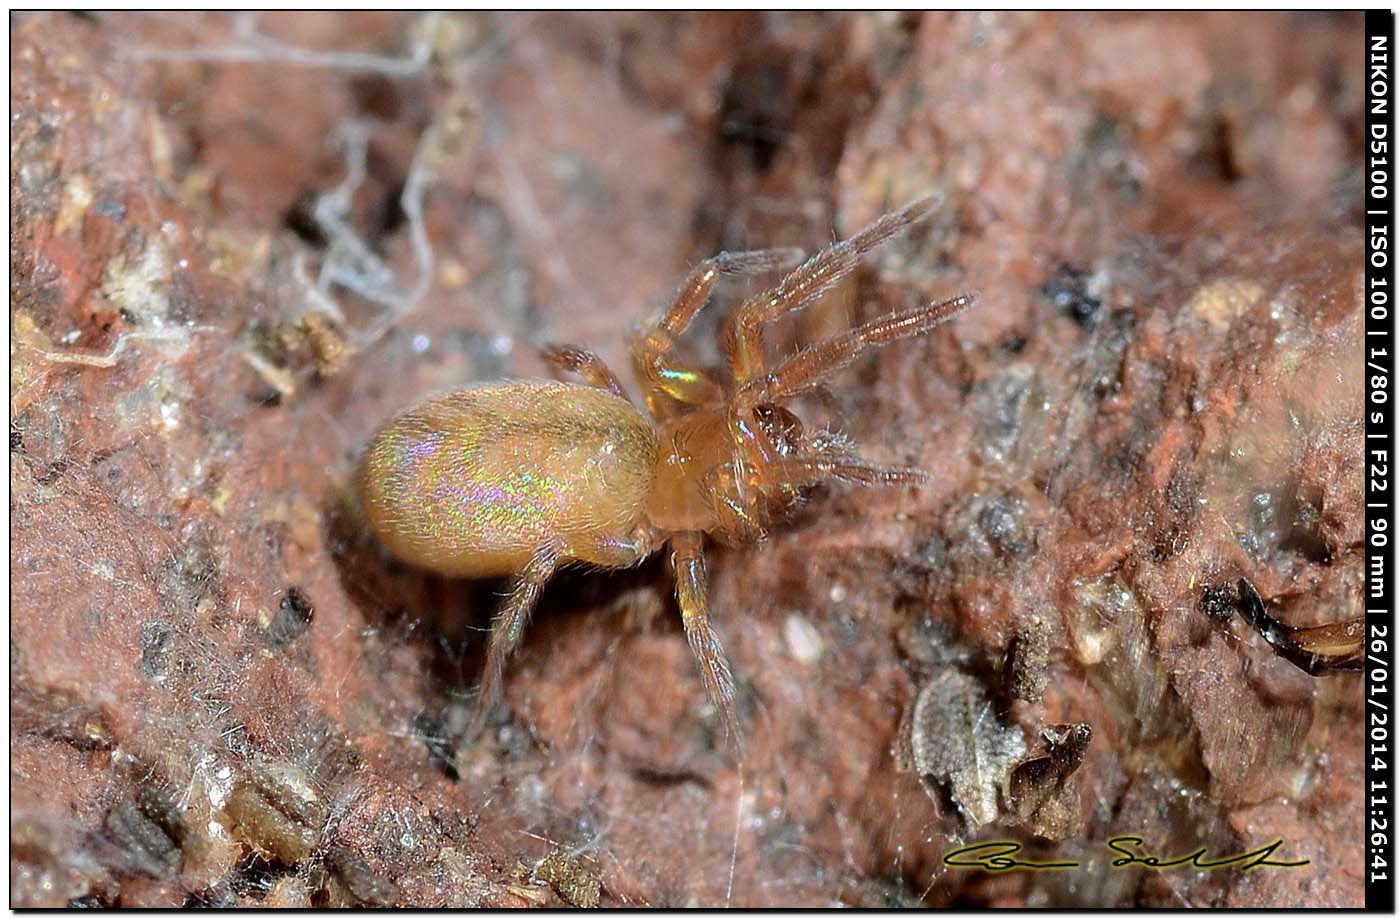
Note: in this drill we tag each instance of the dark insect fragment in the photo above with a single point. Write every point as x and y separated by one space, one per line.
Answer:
1067 289
294 614
1316 649
1039 791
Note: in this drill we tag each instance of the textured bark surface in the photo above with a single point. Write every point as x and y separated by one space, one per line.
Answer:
222 692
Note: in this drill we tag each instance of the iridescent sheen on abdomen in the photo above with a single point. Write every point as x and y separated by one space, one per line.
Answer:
472 483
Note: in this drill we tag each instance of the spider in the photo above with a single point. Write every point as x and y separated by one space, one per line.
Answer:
520 477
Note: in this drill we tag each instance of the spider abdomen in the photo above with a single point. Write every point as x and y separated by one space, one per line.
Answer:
473 483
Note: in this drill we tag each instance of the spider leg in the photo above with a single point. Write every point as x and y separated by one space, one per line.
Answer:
651 347
688 562
614 550
807 367
808 282
811 470
506 630
586 364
